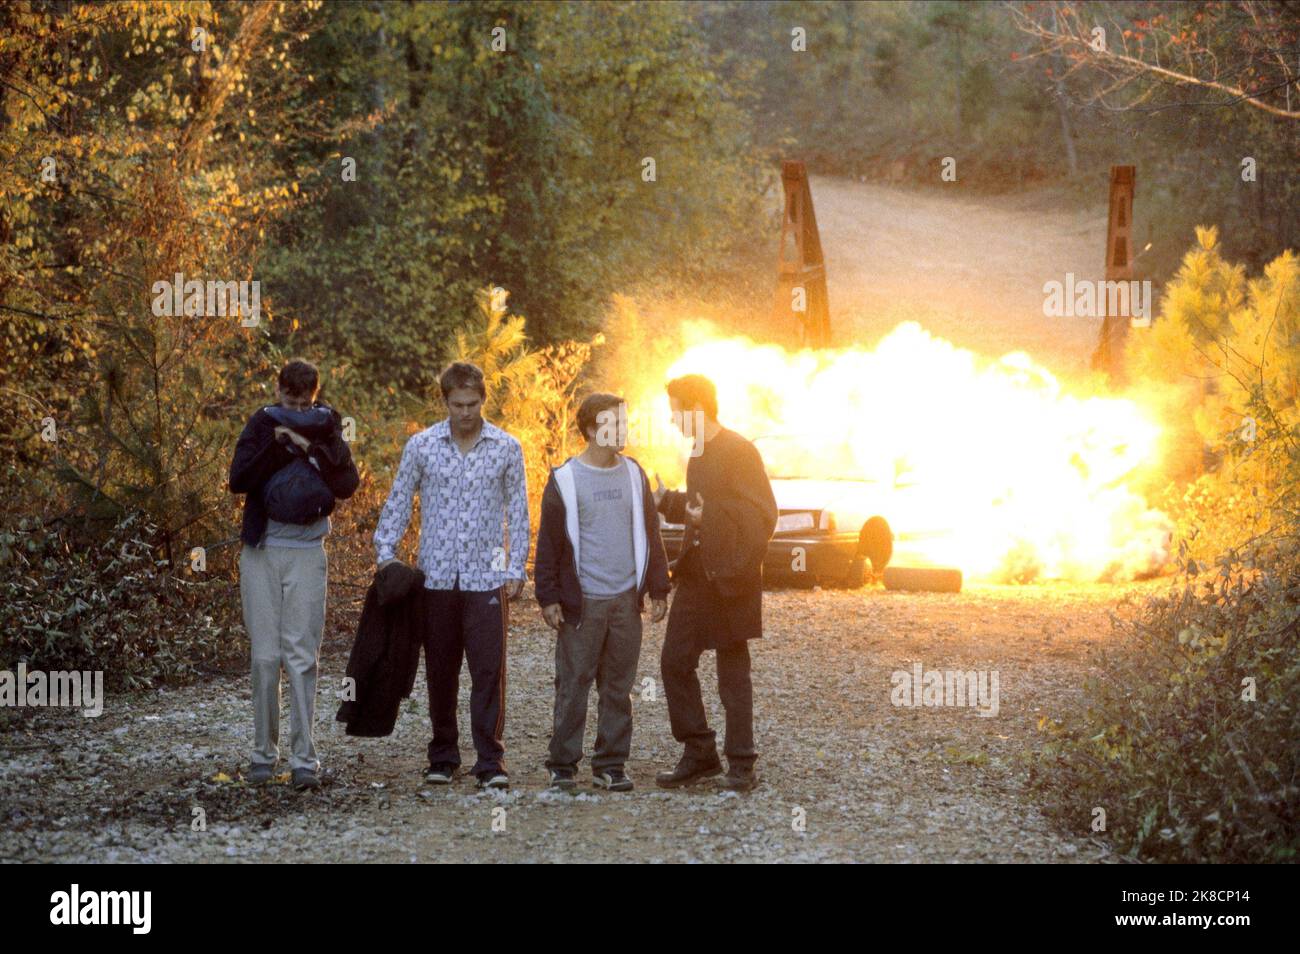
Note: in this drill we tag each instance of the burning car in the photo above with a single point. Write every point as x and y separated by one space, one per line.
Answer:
828 532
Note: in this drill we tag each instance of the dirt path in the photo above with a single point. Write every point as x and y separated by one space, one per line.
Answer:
873 781
968 268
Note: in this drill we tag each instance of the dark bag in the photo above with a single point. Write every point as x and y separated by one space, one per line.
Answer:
297 493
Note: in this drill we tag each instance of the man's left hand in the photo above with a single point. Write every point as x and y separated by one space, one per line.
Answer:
514 588
658 610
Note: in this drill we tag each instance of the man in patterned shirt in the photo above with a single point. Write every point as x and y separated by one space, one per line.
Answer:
473 545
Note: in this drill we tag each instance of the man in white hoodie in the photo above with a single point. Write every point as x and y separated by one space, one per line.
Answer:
598 554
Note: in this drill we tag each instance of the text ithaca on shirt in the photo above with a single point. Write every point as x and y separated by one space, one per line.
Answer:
467 504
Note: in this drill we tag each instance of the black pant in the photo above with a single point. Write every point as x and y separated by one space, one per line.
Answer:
460 624
694 612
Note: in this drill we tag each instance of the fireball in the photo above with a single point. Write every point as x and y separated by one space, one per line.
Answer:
990 466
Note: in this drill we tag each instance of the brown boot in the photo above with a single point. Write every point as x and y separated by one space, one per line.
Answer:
689 770
740 778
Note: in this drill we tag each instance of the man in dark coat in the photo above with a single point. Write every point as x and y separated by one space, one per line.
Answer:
730 513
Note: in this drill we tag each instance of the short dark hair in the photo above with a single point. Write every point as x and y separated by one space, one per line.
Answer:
462 374
299 378
592 406
695 390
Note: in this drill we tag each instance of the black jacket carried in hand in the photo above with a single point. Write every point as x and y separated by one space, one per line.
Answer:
386 653
258 455
555 573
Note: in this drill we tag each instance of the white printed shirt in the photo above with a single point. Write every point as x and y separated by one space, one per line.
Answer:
471 506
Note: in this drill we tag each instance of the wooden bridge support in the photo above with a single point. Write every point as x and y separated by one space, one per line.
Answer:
801 297
1119 268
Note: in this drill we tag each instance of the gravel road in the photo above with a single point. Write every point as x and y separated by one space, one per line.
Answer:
969 268
846 775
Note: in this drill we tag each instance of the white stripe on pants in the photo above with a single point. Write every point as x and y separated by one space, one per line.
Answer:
283 594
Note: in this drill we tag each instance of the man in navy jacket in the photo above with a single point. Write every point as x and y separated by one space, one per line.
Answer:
282 573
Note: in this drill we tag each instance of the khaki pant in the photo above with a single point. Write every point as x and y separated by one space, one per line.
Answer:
283 594
603 648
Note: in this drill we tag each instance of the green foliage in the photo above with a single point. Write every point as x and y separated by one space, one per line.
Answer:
886 90
100 600
148 179
521 168
1222 361
889 89
1187 768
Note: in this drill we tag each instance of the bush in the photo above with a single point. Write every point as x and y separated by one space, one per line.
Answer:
1189 739
1189 763
110 605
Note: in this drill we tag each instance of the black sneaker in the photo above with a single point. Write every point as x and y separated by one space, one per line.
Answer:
612 779
493 779
440 773
564 779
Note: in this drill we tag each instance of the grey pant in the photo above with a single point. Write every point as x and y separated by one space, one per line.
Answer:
605 647
283 593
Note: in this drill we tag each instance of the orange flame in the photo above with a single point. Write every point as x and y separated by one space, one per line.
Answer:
990 466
